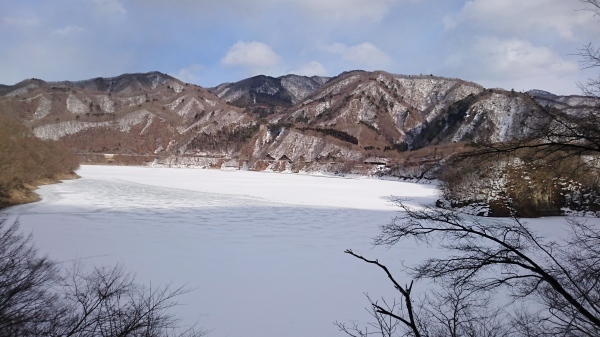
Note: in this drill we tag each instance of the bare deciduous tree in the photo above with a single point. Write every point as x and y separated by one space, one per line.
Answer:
560 133
402 313
557 282
384 324
107 302
27 304
554 285
563 277
456 311
37 299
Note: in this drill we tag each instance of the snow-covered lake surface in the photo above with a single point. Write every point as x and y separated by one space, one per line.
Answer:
262 251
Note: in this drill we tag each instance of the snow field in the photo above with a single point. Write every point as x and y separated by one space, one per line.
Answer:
262 252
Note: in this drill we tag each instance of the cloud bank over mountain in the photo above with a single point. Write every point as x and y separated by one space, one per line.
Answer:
498 43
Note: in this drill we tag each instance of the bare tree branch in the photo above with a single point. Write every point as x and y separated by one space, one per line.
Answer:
36 299
404 291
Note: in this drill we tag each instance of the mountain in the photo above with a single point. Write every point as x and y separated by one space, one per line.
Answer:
265 95
134 114
356 121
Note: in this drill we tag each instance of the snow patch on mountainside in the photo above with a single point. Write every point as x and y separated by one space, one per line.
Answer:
173 105
425 93
22 91
133 101
43 109
230 117
184 129
76 106
299 87
177 87
339 86
58 130
364 110
210 102
156 80
500 116
224 92
133 119
295 145
106 104
321 107
265 88
189 107
230 95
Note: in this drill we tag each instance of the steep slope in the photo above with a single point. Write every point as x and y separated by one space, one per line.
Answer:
355 120
411 112
136 114
382 118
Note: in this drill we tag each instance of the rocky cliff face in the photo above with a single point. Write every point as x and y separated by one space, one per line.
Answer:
291 122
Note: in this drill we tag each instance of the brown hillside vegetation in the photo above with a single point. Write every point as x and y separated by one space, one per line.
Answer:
27 161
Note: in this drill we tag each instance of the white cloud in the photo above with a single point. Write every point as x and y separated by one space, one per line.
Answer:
518 43
68 31
111 8
255 57
368 54
312 68
19 21
347 9
335 48
373 10
363 54
46 59
189 74
510 59
518 17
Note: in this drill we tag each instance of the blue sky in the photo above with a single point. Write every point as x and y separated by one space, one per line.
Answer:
520 44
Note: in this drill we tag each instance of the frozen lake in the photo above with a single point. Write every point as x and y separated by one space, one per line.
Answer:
262 251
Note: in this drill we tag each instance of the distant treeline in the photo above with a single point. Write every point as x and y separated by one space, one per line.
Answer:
224 139
341 135
26 161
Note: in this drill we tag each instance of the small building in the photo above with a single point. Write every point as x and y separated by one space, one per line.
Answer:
285 158
376 161
110 158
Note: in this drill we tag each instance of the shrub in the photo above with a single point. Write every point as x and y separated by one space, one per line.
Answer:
341 135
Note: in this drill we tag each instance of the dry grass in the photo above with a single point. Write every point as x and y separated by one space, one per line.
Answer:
26 161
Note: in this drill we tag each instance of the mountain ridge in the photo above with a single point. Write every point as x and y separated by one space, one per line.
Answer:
289 122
